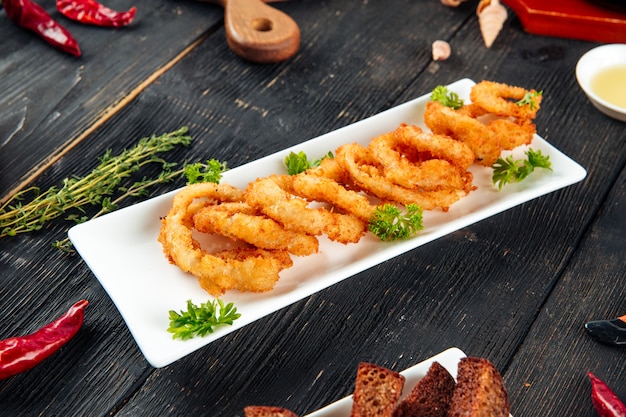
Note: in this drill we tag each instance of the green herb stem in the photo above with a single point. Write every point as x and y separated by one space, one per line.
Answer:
390 223
529 99
76 192
211 171
297 163
448 98
508 170
201 320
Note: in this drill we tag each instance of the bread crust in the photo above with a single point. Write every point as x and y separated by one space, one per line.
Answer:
431 396
480 390
267 411
376 392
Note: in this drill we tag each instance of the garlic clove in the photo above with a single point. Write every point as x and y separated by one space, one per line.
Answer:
441 50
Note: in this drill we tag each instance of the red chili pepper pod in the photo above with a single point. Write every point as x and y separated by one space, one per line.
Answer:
604 400
94 13
18 354
32 16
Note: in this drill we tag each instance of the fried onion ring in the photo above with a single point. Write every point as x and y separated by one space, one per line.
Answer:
500 99
415 159
318 188
267 196
437 146
245 269
241 222
511 134
443 120
368 174
329 168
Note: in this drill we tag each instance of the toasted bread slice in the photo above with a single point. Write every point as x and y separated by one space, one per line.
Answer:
480 390
267 411
376 391
431 396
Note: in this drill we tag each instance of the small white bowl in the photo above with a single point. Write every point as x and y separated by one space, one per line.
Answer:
590 64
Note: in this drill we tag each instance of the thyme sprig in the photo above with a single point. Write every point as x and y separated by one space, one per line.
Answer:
211 171
30 209
18 216
201 320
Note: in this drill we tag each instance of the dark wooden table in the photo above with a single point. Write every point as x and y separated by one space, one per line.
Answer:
515 288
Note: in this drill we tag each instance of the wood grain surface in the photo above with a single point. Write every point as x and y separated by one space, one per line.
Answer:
515 288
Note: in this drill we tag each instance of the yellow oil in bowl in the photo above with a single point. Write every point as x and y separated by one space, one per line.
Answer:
610 85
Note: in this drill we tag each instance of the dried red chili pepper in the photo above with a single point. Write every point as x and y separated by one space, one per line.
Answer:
32 16
18 354
606 403
94 13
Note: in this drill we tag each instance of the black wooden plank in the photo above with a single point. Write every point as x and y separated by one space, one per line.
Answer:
555 361
50 98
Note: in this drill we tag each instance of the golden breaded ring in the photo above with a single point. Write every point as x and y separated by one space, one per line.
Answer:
472 110
436 146
317 188
431 174
329 168
249 270
292 212
415 159
241 222
511 134
500 99
443 120
368 174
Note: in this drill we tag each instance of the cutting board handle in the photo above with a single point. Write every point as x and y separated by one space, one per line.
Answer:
258 32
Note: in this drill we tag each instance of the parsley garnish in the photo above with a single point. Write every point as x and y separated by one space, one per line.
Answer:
529 98
507 170
445 97
209 172
201 320
298 162
390 223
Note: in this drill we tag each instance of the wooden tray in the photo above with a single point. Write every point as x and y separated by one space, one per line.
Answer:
598 21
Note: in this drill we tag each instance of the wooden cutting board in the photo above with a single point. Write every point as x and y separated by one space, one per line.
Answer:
591 20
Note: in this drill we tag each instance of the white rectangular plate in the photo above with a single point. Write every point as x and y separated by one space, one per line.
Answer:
122 250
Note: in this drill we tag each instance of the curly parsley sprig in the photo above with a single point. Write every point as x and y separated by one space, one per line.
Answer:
508 170
211 171
201 320
299 162
529 99
390 223
445 97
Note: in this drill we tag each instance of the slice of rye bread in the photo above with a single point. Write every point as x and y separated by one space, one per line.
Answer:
431 396
267 411
479 391
376 391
